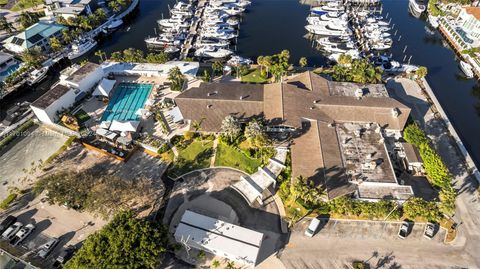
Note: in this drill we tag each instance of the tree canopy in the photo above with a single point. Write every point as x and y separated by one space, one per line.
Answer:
231 128
176 78
358 71
126 242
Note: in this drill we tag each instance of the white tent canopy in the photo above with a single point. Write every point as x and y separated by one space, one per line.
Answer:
127 126
104 88
106 133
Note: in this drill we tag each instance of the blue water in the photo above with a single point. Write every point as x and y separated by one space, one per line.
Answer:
12 68
127 99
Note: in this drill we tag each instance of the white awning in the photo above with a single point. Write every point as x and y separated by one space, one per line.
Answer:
176 114
127 126
105 124
104 88
106 133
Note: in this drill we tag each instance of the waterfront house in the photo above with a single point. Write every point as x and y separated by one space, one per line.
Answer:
75 82
338 128
8 65
68 8
469 20
37 35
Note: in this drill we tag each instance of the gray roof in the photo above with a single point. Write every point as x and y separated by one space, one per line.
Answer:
51 96
4 57
82 72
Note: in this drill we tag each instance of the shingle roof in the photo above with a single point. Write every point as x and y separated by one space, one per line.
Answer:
51 96
307 102
82 72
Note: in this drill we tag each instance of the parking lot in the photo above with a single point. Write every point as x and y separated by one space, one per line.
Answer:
50 221
338 243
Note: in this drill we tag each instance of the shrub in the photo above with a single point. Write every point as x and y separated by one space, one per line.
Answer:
7 201
418 208
163 148
436 170
414 135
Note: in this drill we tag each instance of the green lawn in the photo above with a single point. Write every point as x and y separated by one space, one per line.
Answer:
195 156
81 117
24 4
229 156
3 2
254 77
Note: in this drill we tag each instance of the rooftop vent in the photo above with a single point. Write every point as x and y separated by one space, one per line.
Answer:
395 112
209 106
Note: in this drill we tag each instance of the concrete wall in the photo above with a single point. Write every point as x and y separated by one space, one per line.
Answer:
49 115
89 81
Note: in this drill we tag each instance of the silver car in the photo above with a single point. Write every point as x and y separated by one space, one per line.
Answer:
12 230
47 248
22 234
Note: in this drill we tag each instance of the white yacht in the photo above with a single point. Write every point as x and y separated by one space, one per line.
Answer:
81 47
329 7
37 75
318 20
236 60
467 69
328 30
416 7
172 49
434 21
339 48
115 24
355 54
212 52
219 35
212 42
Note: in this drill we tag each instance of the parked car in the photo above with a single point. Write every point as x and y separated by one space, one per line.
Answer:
22 234
7 222
12 230
404 228
64 256
47 248
312 227
430 229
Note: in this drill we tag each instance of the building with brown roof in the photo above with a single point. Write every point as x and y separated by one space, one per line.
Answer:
335 125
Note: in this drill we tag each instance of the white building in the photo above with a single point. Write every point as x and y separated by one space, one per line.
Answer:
220 238
37 35
469 20
74 84
189 69
68 8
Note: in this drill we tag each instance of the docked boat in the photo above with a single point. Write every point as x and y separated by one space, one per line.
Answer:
339 48
433 20
81 47
212 52
115 24
329 7
37 75
219 35
416 7
171 49
212 42
328 30
467 69
355 54
236 60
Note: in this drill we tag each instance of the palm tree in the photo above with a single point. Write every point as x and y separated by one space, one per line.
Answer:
100 54
114 6
55 44
303 62
217 68
6 25
260 62
176 78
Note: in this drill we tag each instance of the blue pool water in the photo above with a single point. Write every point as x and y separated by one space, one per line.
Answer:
125 102
9 70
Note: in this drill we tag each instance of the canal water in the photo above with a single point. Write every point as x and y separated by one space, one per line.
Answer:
272 25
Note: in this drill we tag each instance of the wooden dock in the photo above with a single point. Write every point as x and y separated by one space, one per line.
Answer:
193 30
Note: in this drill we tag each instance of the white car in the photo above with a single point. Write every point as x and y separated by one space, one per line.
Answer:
12 230
404 228
430 229
22 234
312 227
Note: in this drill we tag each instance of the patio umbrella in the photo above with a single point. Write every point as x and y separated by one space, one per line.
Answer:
127 126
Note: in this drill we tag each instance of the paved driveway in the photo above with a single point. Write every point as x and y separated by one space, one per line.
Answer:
338 243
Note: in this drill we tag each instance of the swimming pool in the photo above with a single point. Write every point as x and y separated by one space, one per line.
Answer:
12 68
125 102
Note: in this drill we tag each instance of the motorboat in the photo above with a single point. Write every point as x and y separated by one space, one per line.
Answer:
376 21
212 52
219 35
467 69
81 47
224 30
171 49
115 24
339 48
162 41
355 54
233 21
329 7
212 42
380 45
167 23
236 60
377 34
318 20
417 6
328 30
434 21
325 41
37 75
